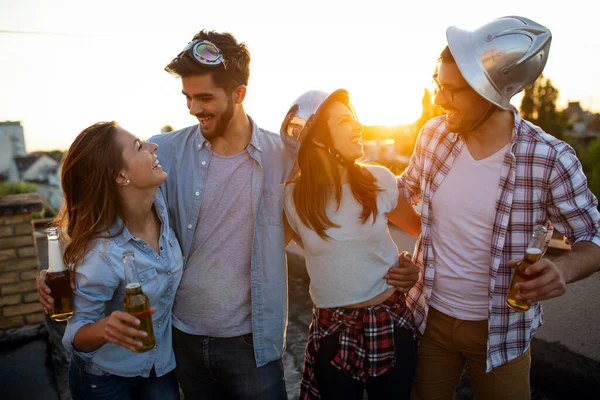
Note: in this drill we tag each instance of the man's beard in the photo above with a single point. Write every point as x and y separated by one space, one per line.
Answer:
222 123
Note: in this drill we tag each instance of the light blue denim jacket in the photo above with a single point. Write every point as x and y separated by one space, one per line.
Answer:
185 155
100 290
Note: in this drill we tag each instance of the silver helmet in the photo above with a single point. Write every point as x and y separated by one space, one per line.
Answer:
502 57
305 107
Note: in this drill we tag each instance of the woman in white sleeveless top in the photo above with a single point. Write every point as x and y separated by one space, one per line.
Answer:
361 336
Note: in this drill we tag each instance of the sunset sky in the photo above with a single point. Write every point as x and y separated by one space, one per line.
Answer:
67 64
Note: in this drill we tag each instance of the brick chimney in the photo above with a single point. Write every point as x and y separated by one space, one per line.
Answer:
18 261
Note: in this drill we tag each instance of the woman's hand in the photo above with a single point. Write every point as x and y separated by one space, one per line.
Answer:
119 329
44 293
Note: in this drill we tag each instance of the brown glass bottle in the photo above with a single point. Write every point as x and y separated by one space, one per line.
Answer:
137 304
58 279
532 254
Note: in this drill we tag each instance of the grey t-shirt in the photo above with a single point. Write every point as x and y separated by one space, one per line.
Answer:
213 298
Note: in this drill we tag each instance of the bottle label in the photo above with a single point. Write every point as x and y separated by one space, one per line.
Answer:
55 260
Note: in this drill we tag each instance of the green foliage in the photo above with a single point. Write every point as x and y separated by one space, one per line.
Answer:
538 106
19 187
589 156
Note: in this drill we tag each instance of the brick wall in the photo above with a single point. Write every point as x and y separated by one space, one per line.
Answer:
18 262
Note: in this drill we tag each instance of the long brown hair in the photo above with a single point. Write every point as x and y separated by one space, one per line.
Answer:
91 202
312 189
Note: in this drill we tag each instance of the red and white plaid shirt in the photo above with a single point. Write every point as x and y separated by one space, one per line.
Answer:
366 340
541 183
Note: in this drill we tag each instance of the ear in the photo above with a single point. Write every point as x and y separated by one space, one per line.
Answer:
122 179
239 94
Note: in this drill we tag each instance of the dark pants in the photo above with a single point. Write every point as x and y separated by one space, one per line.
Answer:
394 384
224 368
88 382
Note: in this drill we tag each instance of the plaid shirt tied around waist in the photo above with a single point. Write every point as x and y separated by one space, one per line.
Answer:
366 340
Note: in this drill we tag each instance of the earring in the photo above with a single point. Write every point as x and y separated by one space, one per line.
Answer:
128 181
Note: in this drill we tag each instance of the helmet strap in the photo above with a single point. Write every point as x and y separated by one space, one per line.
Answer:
483 119
338 157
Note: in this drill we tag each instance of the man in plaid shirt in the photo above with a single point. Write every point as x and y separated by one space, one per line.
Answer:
485 177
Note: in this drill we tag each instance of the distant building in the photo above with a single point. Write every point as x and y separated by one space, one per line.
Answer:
585 125
38 168
43 169
12 143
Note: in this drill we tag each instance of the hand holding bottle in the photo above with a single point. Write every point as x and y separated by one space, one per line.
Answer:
547 281
119 328
535 278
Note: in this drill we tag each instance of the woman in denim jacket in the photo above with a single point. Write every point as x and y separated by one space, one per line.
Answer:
112 203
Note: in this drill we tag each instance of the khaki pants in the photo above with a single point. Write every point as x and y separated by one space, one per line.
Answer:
447 345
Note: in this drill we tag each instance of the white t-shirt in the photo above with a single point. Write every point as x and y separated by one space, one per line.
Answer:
349 268
463 211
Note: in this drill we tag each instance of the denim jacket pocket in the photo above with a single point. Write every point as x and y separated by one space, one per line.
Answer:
148 280
271 206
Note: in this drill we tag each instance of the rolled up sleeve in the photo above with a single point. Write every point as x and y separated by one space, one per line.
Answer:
573 208
95 284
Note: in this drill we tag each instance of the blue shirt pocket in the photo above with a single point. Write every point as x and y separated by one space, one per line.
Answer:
271 206
148 280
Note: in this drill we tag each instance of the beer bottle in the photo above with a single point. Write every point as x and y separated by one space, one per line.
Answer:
58 279
532 254
136 303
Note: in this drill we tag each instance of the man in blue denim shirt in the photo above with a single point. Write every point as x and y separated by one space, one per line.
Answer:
224 193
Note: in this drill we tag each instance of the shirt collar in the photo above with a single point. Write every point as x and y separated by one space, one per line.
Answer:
119 232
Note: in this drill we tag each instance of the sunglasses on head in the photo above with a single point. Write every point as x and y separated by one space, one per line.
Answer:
208 54
205 53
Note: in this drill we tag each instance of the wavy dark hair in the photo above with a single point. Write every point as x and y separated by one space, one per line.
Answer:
91 200
313 190
236 56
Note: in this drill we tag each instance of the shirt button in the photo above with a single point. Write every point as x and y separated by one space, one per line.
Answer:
168 272
159 325
197 193
145 245
142 279
190 226
168 289
203 163
157 257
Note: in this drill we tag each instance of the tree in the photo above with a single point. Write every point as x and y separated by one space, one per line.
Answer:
429 110
538 106
589 156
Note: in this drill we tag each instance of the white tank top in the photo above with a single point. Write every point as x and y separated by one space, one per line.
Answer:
463 211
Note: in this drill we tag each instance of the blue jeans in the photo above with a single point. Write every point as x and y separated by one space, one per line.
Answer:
87 381
224 368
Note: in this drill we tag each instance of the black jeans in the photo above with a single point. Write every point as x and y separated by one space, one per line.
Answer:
394 384
224 368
